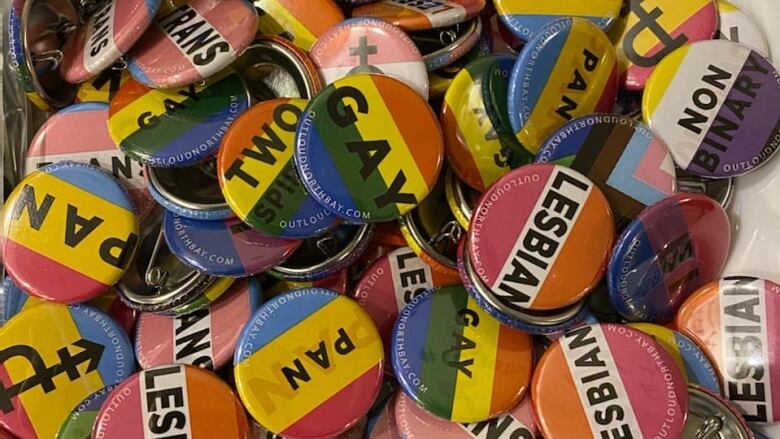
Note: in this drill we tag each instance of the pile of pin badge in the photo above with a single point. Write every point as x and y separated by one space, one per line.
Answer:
389 219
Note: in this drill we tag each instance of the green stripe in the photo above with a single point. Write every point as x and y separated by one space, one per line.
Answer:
439 376
290 201
349 164
213 99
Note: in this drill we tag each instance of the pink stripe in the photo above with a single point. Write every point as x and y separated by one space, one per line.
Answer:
228 317
650 169
154 340
772 299
131 18
72 132
122 411
229 18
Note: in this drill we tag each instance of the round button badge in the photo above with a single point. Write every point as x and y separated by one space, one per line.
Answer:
715 104
595 373
79 424
734 321
411 15
55 356
296 21
193 42
526 18
368 148
70 232
224 248
80 133
653 30
625 159
568 69
206 338
258 177
369 45
540 238
176 127
109 33
309 364
170 401
739 26
456 361
672 248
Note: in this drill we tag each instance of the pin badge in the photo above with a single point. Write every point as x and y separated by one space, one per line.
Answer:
733 320
104 86
668 251
79 133
68 223
272 67
198 404
299 22
79 424
715 104
525 19
626 160
653 30
322 256
569 69
737 25
368 148
647 386
176 127
509 227
192 192
258 177
205 338
224 248
109 32
369 45
54 356
37 31
711 416
324 392
474 148
441 47
439 377
193 42
693 362
412 15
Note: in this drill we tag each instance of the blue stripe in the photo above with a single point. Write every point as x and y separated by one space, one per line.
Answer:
534 22
568 147
208 238
310 207
413 342
698 368
152 6
622 177
96 326
93 180
276 319
138 74
86 106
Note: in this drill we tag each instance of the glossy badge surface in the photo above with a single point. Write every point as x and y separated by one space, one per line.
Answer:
654 28
627 161
526 18
568 69
735 321
205 338
738 25
176 127
672 248
172 401
309 364
456 361
715 104
643 381
258 177
224 248
54 356
369 45
107 35
412 15
193 42
540 238
102 87
299 22
70 231
79 424
80 133
368 148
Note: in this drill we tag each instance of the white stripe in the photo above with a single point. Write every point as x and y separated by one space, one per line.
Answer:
96 52
159 390
439 13
415 275
189 325
104 158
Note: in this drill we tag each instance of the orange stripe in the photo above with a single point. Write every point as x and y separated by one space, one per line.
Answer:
512 374
559 410
129 93
317 20
208 402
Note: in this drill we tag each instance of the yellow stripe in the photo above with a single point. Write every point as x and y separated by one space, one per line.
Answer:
675 13
544 120
379 124
218 287
47 411
278 19
465 407
665 337
724 6
475 136
662 77
264 388
125 122
49 239
590 8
